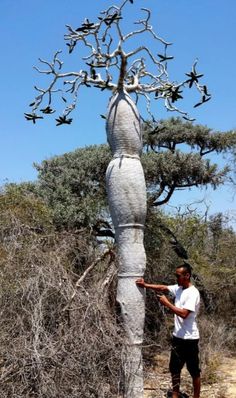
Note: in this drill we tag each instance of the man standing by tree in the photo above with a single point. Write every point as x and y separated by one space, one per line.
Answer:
186 335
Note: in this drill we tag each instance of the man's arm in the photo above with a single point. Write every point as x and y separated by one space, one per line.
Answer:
141 283
182 312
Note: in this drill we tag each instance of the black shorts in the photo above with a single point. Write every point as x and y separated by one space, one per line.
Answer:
184 352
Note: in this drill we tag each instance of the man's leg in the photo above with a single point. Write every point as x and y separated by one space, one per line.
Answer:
196 387
176 364
175 385
192 362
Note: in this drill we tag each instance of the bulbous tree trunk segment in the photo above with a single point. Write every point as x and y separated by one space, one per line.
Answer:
127 201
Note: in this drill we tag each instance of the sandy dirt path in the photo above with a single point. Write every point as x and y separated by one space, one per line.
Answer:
157 380
227 372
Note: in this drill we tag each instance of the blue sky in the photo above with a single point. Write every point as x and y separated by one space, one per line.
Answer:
203 29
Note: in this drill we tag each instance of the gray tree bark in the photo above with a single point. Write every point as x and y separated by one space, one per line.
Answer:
127 201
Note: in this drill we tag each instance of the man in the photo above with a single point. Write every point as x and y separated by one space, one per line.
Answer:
186 335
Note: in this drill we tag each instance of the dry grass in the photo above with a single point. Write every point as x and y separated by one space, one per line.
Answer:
56 340
60 338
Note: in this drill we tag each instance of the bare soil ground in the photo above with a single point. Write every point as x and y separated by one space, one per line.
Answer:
227 374
157 380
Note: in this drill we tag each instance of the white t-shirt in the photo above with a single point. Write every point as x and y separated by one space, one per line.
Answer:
188 299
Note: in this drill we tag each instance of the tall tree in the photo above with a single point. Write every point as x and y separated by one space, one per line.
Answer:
124 177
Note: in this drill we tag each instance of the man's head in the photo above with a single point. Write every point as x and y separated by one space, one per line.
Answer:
183 274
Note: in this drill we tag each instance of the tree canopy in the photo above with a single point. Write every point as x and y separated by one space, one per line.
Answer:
175 157
73 185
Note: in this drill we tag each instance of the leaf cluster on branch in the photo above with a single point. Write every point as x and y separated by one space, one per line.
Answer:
170 133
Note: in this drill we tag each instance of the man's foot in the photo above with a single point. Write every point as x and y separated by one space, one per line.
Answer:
172 394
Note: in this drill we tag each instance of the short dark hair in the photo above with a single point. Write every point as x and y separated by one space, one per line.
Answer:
187 268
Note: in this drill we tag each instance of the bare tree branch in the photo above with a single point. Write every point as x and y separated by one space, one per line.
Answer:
134 75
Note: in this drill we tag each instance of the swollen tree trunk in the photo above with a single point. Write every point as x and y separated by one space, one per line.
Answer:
127 201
